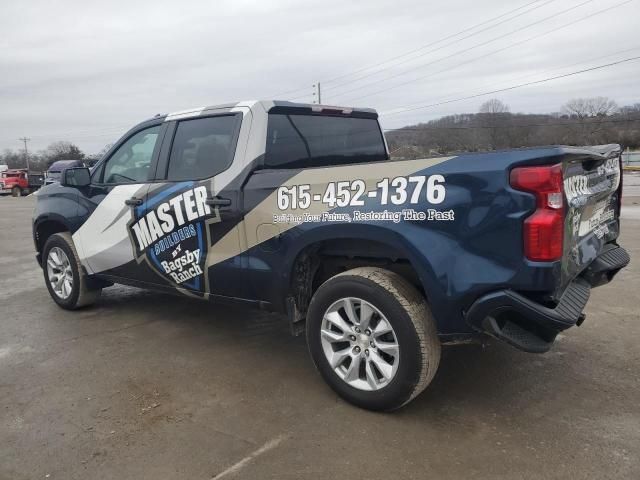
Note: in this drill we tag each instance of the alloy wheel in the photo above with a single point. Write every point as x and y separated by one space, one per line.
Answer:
360 344
59 273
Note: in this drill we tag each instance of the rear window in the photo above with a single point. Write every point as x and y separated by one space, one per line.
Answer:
295 141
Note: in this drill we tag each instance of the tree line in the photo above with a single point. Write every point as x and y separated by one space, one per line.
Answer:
42 160
581 121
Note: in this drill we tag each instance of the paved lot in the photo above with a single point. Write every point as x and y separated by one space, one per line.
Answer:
631 185
149 386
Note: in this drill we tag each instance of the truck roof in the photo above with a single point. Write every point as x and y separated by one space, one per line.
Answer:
270 105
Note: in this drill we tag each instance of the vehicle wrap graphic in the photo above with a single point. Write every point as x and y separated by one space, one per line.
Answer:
591 218
269 211
403 191
102 240
170 232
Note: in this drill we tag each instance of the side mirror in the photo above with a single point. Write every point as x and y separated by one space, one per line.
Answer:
76 177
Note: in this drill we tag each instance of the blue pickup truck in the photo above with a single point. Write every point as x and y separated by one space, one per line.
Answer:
298 209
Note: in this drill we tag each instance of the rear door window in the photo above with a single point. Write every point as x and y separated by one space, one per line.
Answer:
295 141
203 147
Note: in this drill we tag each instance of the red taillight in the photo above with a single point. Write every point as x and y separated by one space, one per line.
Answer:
544 229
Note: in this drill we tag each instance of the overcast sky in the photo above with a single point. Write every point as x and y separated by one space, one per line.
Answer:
87 71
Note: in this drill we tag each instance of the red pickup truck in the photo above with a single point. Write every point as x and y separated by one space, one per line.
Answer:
19 182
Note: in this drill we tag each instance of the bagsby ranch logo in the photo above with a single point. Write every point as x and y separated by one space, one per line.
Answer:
172 235
185 267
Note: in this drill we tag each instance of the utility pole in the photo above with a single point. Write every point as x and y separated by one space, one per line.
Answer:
26 153
317 93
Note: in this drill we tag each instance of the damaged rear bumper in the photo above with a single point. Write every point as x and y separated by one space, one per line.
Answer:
532 327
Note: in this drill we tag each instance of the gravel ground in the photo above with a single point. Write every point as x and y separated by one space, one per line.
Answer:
150 386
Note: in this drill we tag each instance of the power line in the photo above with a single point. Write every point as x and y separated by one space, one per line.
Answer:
564 67
441 47
430 44
464 50
513 87
282 94
512 45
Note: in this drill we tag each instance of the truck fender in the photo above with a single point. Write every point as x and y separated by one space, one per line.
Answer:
398 246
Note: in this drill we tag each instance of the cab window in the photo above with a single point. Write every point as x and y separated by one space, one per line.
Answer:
203 147
300 140
131 162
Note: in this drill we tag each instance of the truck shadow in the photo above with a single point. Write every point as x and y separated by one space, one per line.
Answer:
488 381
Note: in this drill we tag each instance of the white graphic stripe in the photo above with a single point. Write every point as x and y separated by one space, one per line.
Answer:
100 234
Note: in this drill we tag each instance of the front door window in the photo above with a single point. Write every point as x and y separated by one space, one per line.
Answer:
131 162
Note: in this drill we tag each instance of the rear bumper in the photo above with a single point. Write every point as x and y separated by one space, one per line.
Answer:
606 265
531 326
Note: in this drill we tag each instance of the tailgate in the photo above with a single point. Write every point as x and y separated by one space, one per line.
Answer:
592 192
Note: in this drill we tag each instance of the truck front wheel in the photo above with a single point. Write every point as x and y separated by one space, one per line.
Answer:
373 338
63 273
16 191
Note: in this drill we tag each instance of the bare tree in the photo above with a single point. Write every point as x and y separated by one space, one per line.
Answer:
587 111
494 106
62 150
494 117
590 107
630 109
91 160
11 158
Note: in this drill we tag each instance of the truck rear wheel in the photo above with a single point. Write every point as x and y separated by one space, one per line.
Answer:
16 191
372 337
63 273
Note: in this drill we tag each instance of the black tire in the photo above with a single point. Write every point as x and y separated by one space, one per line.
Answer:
16 191
80 295
410 317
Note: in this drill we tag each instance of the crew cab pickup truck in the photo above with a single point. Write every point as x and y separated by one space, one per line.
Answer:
298 209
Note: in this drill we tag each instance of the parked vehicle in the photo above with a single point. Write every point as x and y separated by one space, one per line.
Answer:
18 182
296 208
36 180
55 170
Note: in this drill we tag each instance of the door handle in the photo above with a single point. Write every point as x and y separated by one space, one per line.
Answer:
133 202
218 202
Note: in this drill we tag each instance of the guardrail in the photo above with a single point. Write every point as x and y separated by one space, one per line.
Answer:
631 159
